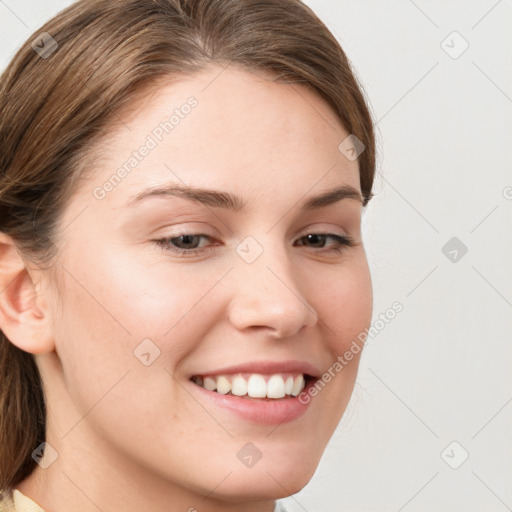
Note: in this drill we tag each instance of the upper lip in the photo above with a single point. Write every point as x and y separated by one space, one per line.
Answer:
265 367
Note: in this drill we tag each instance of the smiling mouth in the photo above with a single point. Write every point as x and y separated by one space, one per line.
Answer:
255 385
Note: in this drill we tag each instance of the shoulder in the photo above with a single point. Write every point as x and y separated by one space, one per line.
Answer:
6 502
15 501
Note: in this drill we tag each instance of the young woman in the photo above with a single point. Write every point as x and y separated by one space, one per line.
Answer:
183 281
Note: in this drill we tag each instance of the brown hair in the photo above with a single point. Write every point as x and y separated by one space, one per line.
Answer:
54 106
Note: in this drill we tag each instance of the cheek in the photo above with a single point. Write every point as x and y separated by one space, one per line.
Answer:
346 310
346 304
111 305
108 314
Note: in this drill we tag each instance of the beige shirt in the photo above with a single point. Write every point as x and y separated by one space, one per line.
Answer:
15 501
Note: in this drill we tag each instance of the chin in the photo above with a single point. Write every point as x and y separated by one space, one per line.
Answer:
261 487
273 480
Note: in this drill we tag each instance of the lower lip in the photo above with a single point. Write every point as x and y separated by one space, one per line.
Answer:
261 411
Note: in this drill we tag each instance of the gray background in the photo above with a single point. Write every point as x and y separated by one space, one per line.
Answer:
439 372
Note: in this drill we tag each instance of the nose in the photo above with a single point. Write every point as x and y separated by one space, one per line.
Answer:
267 296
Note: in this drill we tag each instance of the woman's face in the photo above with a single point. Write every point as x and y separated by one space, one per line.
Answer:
159 290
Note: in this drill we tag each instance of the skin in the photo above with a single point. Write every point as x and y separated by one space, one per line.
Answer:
129 437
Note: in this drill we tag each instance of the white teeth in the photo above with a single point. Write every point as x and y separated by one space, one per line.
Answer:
257 386
223 385
288 386
275 387
210 384
239 386
298 385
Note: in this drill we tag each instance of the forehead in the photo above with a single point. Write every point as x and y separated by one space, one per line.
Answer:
227 128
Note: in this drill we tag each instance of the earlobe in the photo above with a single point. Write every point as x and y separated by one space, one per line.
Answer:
24 317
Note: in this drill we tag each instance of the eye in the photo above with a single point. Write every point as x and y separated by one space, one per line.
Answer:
187 243
340 241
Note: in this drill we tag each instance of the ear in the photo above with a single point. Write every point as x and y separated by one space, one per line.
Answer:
24 315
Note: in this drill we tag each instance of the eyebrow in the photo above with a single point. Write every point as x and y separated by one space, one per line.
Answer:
218 199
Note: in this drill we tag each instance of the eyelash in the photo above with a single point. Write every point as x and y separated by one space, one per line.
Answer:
342 242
